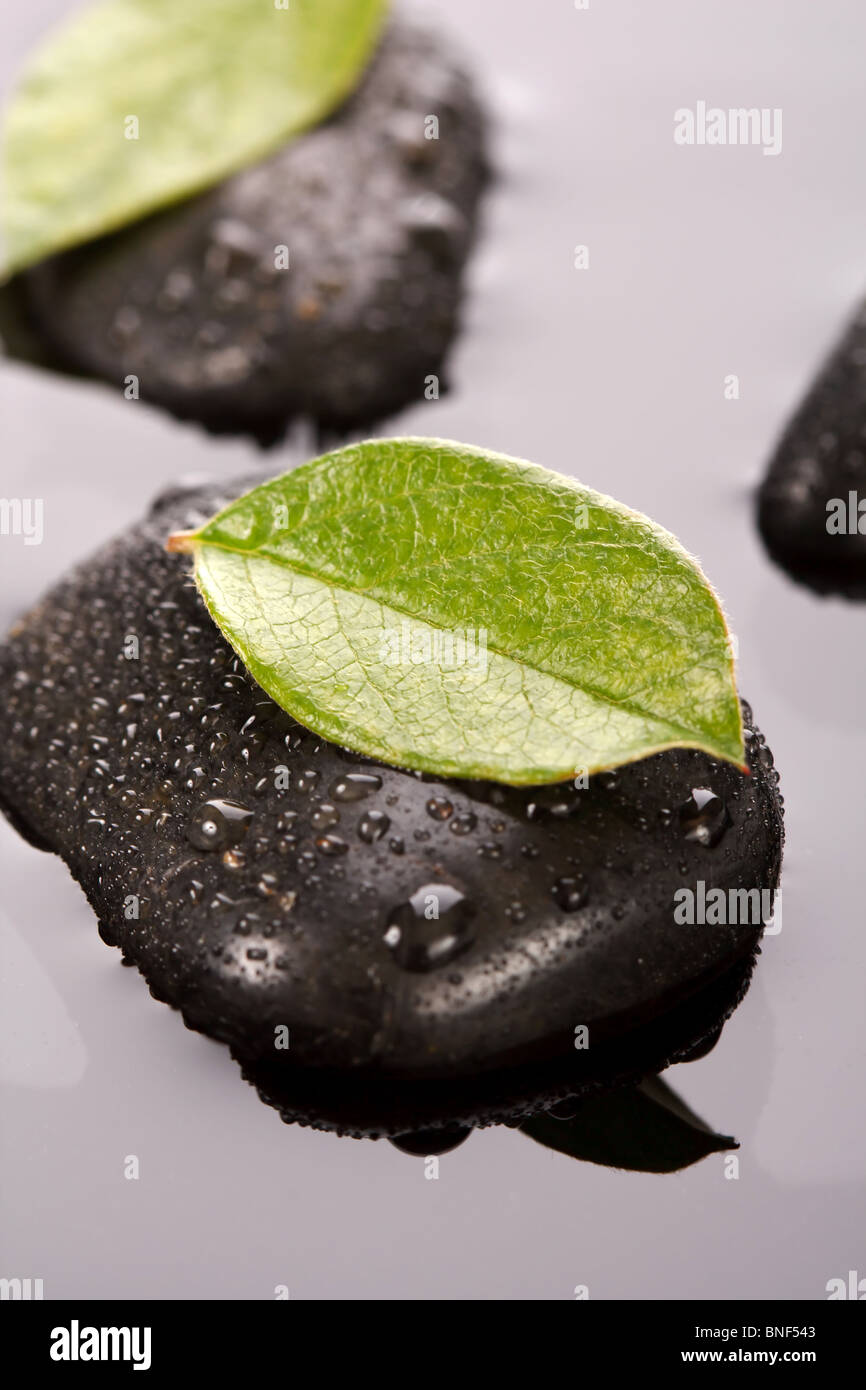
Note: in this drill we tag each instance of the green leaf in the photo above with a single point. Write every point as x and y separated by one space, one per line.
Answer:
581 634
213 84
645 1128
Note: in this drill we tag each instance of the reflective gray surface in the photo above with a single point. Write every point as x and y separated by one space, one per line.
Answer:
703 262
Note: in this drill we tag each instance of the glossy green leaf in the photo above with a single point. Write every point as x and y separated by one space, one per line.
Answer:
456 611
645 1128
212 84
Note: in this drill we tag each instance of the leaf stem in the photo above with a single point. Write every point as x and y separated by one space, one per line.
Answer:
181 542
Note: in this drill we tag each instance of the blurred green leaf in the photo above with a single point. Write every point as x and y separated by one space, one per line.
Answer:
204 87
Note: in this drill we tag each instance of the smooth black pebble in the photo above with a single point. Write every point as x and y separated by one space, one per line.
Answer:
368 991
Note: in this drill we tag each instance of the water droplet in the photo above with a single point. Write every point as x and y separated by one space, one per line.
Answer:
372 826
355 786
397 845
439 808
490 850
704 817
422 1143
218 824
552 801
234 859
331 845
306 781
570 893
463 824
431 928
325 816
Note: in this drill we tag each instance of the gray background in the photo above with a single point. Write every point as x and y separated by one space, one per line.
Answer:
702 262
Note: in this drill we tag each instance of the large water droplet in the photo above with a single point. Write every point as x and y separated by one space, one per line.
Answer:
423 1142
704 816
431 928
463 824
325 816
217 824
355 786
439 808
372 826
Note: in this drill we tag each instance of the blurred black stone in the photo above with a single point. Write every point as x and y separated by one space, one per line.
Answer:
808 504
377 220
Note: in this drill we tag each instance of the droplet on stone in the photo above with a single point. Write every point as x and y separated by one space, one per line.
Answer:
570 893
423 1143
489 849
331 845
464 823
234 859
355 786
372 826
430 928
704 817
218 824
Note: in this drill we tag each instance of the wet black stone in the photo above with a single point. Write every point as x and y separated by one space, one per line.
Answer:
108 761
378 221
821 458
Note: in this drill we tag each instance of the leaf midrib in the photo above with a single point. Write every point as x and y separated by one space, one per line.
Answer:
310 573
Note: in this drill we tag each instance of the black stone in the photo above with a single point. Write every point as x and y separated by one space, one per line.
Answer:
378 221
112 762
821 457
